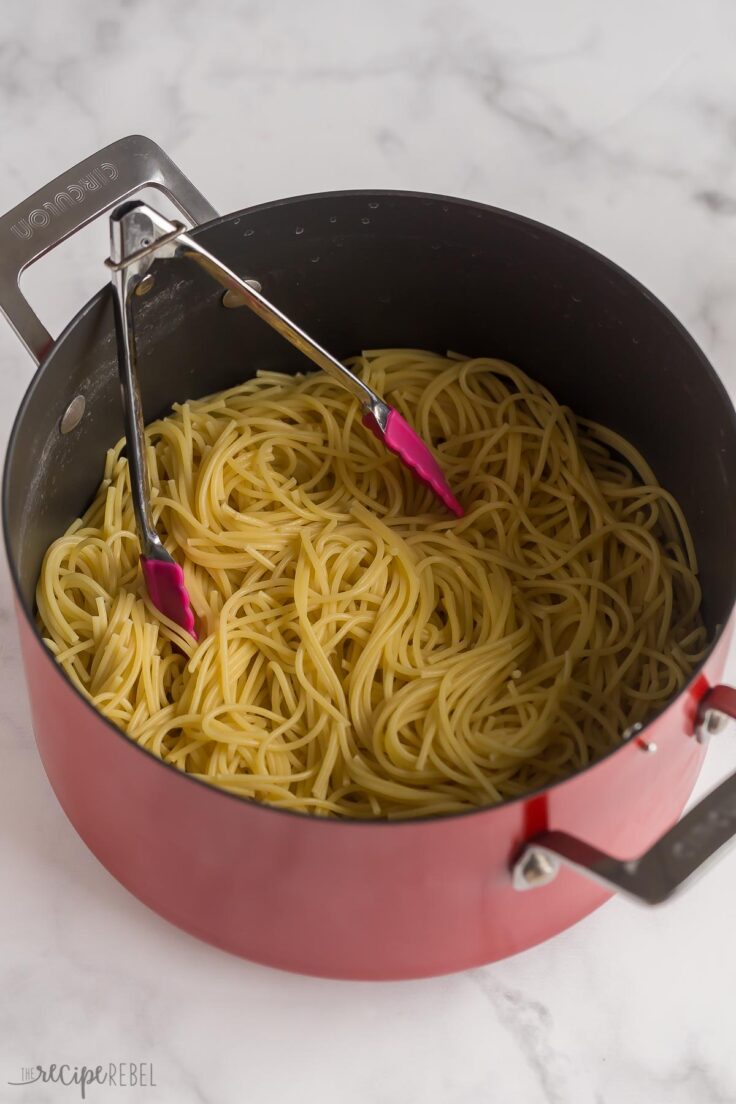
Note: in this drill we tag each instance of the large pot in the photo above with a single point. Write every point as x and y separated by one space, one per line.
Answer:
332 897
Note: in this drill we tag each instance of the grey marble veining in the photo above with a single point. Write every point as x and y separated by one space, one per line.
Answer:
616 123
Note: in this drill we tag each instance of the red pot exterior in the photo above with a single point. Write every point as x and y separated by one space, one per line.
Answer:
341 899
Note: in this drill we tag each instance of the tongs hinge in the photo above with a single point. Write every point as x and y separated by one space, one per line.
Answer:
147 250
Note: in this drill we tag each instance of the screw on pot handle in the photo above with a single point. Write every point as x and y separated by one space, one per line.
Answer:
66 204
672 860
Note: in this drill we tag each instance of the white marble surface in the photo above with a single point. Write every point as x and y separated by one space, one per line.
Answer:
614 122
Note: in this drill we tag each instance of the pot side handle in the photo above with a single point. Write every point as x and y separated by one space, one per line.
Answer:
75 198
683 851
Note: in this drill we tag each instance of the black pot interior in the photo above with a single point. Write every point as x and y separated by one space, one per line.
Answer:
389 269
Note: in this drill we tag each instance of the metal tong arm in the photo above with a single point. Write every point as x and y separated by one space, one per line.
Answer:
128 233
170 239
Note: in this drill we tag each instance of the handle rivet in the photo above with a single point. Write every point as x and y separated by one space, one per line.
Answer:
535 868
234 299
642 743
712 723
146 284
72 416
715 721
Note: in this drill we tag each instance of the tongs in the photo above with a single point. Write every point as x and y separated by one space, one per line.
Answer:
140 235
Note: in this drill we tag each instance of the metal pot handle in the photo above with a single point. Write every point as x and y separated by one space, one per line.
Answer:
66 204
672 860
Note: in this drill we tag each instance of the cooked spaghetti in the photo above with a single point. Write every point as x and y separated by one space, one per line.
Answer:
361 652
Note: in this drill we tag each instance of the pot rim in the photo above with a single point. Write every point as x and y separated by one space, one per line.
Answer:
352 822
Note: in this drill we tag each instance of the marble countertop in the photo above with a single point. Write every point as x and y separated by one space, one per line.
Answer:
615 123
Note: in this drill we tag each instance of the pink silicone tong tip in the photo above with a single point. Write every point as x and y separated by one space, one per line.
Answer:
165 584
412 451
